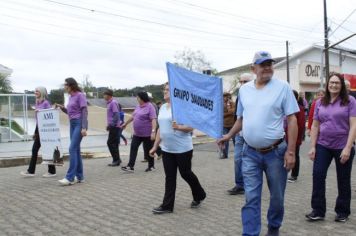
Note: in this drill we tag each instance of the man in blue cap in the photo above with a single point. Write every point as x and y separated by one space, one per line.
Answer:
263 104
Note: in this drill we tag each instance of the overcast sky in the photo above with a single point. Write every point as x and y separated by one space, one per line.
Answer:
125 43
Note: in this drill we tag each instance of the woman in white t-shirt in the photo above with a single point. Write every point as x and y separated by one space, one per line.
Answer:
177 152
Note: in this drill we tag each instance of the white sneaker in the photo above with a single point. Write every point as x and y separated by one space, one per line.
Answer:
65 182
49 175
26 174
78 181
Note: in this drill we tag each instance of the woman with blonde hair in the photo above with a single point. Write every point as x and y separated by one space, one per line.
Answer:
41 103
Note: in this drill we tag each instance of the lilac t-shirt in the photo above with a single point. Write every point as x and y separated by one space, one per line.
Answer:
334 122
142 119
112 107
42 105
76 102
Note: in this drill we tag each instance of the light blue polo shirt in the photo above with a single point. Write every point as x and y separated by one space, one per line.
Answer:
172 141
263 111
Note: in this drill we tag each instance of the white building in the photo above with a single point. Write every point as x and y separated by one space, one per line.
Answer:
305 67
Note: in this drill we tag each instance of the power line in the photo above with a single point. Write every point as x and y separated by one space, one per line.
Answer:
224 13
157 23
343 22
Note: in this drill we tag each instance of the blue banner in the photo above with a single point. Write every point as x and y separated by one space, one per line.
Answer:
196 100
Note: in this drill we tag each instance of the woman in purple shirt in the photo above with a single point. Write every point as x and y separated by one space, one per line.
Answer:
78 117
332 137
144 125
41 103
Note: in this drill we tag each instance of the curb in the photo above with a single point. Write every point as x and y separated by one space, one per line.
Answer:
25 160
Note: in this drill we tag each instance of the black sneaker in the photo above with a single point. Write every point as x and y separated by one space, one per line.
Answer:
292 179
236 190
150 169
196 204
341 218
312 216
115 163
160 210
127 169
272 232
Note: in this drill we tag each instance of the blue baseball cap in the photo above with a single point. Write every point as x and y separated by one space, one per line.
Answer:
261 57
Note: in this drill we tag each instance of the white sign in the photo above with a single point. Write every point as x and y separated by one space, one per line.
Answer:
50 136
310 72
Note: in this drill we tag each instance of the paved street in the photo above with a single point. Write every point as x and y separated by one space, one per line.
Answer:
112 202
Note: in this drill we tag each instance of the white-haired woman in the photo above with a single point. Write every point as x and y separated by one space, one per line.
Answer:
41 103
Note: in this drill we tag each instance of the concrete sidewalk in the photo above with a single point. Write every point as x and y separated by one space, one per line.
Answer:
113 202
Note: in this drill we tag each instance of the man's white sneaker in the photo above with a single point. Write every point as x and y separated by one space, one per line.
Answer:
49 175
65 182
26 174
78 180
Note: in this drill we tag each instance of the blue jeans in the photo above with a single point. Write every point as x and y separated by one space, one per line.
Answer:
75 160
239 142
226 149
253 165
322 161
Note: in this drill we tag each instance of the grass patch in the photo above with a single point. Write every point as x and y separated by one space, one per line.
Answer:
14 126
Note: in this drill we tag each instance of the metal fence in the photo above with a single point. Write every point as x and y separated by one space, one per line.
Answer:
17 117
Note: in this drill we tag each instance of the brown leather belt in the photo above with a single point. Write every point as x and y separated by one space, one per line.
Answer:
268 149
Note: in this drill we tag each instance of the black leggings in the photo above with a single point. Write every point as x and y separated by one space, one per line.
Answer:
183 162
35 148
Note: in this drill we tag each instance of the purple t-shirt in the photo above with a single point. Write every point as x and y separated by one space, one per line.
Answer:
112 107
334 122
76 102
142 119
42 105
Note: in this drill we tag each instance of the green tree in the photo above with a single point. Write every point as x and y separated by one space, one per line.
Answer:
5 84
56 96
88 87
193 60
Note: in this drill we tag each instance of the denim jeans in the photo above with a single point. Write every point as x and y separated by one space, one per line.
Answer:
322 161
75 159
239 142
253 165
226 149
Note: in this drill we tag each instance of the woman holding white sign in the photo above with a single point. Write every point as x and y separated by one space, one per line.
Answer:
41 103
177 151
78 118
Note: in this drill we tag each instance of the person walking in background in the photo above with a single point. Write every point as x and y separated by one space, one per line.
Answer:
122 121
177 150
305 102
41 103
301 128
239 142
229 112
144 126
263 104
332 137
319 94
113 123
78 120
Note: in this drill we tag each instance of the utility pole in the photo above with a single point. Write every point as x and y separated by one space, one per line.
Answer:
287 57
326 41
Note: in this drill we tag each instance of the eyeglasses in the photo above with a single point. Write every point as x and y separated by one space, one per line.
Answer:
334 82
243 81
